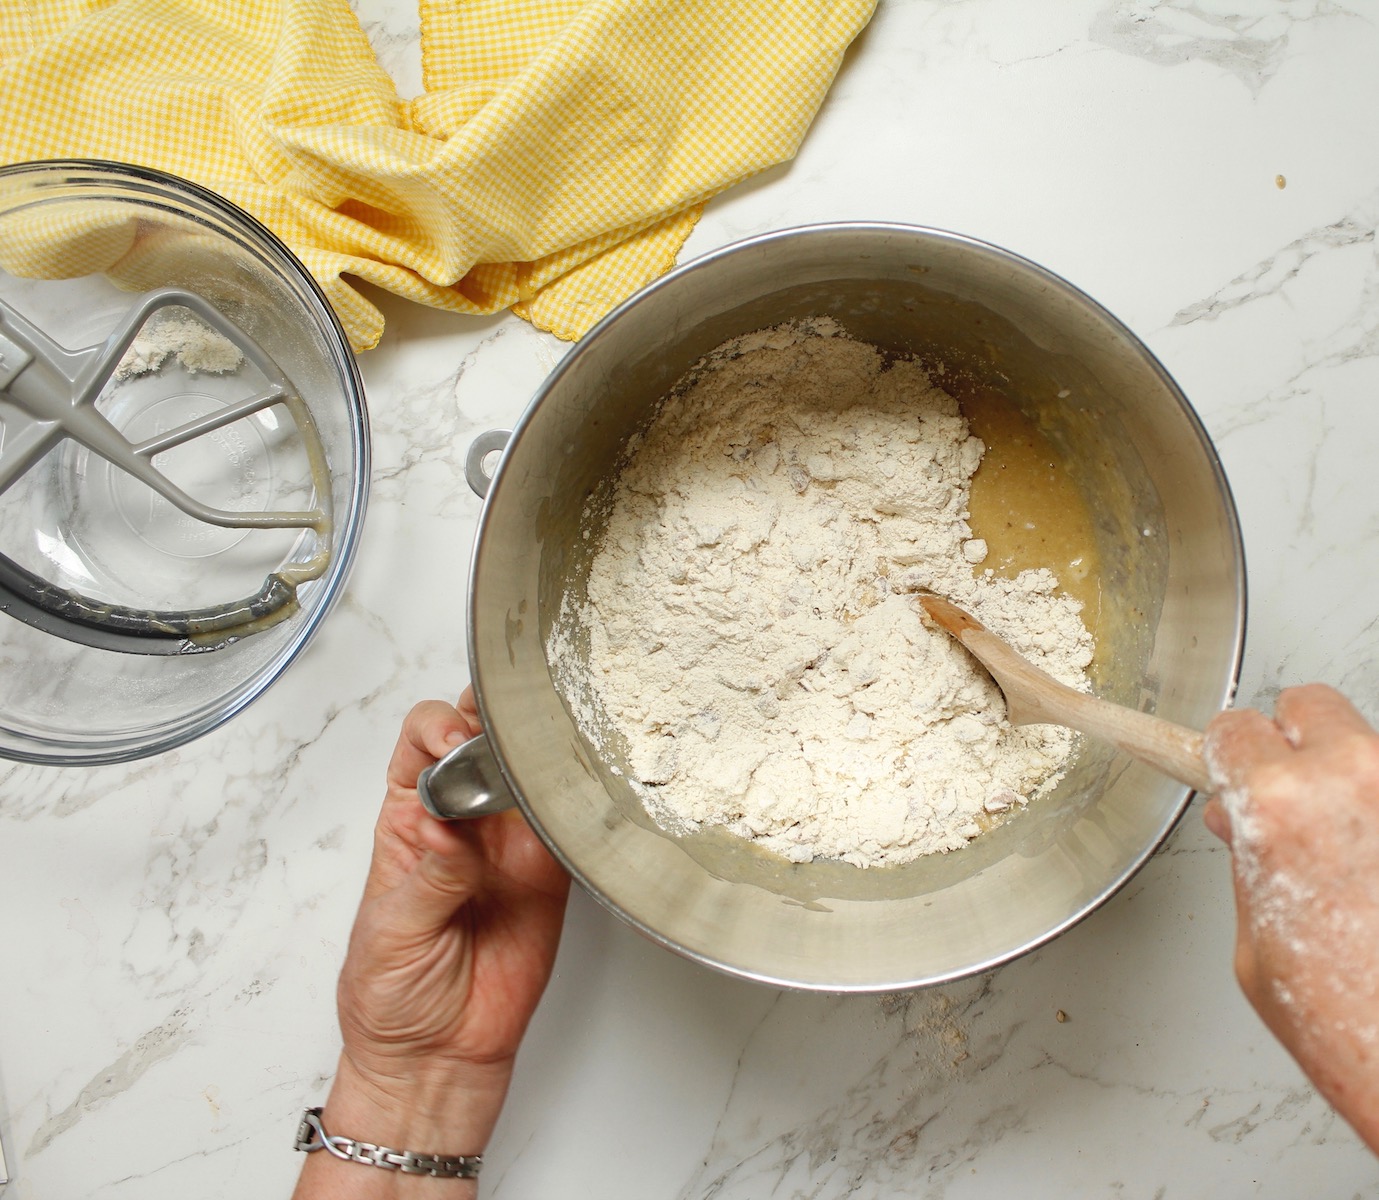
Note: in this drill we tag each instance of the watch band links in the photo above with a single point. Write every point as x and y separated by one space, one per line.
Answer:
311 1136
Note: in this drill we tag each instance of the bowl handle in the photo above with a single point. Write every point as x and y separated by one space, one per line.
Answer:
476 473
465 783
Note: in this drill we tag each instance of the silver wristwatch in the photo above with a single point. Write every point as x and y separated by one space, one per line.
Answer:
311 1135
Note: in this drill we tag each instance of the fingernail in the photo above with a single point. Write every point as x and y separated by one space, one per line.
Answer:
456 737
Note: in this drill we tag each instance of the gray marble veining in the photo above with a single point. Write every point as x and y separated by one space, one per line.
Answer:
173 928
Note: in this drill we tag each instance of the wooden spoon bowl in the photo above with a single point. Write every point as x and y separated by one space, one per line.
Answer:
1034 697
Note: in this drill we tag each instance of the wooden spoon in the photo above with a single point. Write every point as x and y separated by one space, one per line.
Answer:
1034 697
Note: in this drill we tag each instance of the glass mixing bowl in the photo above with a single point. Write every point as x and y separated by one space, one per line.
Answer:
151 591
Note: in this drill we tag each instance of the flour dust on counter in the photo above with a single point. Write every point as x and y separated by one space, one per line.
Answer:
753 639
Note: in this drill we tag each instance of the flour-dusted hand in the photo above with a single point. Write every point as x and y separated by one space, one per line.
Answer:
451 949
1298 801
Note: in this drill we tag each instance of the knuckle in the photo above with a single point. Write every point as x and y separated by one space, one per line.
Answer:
1363 752
1272 785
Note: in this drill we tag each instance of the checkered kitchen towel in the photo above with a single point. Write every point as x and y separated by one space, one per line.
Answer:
556 161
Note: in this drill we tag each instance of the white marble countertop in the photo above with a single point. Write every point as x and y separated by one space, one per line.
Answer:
172 929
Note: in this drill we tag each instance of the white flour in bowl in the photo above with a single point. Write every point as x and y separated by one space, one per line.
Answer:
752 641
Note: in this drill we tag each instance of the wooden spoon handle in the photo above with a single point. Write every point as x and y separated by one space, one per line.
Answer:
1034 697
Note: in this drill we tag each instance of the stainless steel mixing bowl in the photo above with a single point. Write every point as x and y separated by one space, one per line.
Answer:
1173 587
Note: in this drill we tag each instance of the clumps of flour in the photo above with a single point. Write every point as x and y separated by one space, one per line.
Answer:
199 348
753 641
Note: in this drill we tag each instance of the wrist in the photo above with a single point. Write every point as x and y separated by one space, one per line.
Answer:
453 1105
435 1110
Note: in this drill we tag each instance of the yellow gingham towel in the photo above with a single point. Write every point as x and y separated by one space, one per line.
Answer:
556 161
